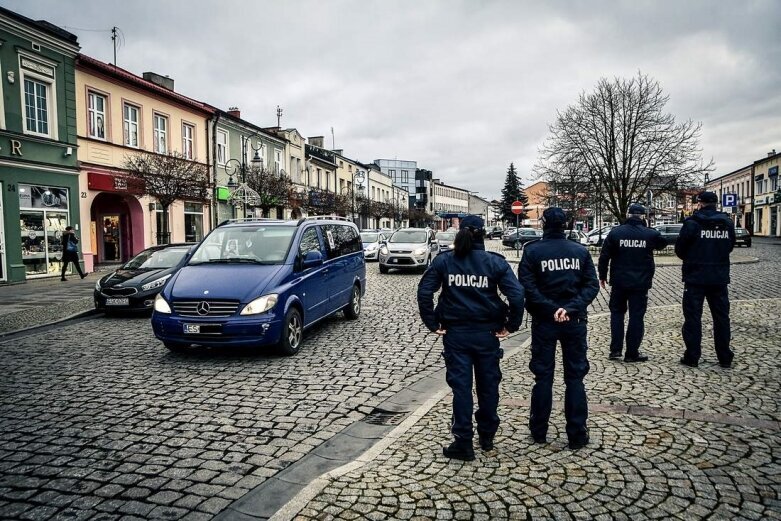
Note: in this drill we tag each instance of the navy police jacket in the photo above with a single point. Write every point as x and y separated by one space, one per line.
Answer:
469 298
557 273
704 245
629 250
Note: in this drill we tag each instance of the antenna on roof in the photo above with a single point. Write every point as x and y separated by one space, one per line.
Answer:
279 117
114 42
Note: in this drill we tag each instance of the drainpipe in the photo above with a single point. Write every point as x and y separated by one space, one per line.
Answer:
215 202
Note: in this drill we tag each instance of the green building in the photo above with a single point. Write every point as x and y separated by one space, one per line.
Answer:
39 176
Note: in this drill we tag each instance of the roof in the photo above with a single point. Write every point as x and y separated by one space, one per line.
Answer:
42 25
128 77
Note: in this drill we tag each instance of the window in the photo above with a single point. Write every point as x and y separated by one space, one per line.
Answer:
341 240
222 147
193 222
130 125
161 134
309 242
36 106
277 160
96 114
188 131
404 176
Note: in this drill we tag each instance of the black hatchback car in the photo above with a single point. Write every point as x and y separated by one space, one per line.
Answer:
742 237
670 232
134 286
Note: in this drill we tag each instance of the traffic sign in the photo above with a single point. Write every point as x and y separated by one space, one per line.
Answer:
729 200
516 207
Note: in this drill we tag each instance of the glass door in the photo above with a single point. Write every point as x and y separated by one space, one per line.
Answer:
2 238
111 239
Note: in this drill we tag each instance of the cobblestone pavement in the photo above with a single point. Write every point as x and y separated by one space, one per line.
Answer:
703 444
99 421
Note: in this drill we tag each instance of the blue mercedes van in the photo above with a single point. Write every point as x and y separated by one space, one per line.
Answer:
261 282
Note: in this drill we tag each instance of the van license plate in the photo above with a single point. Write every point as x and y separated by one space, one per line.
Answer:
117 302
192 328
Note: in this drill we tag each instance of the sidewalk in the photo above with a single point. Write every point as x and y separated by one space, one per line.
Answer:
43 301
667 441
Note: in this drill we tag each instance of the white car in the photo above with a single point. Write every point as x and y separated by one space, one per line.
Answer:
596 236
372 241
409 248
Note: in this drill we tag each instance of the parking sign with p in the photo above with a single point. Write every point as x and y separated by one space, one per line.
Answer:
729 200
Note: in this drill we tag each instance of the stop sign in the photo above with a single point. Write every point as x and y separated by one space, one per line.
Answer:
516 207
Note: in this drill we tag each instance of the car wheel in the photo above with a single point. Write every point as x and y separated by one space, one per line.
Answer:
176 347
292 333
353 309
383 269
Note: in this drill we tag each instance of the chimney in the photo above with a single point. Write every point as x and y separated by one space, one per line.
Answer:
235 112
161 81
316 141
769 154
339 151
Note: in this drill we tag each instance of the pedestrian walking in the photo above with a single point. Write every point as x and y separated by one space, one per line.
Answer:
471 318
628 251
704 245
560 282
70 252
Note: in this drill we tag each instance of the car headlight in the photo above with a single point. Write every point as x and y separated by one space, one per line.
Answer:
420 251
97 285
371 247
384 250
155 283
260 305
161 306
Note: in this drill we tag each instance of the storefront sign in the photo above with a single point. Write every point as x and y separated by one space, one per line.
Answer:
34 196
114 183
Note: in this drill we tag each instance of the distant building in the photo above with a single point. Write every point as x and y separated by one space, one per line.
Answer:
767 196
400 172
450 203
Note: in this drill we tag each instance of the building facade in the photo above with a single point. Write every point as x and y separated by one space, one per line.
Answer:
401 173
39 176
449 204
738 183
767 196
121 115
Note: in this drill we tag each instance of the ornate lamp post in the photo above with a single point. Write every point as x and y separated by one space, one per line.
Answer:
360 176
241 194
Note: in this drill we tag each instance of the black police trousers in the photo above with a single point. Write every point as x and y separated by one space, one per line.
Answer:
636 301
465 352
572 335
718 302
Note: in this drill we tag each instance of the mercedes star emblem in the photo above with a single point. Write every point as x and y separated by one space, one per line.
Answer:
202 308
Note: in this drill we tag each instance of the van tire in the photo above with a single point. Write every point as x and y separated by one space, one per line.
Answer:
353 309
383 269
292 333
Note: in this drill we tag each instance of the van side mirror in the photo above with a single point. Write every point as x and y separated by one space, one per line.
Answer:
312 259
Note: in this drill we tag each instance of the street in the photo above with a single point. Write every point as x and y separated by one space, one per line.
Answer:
100 421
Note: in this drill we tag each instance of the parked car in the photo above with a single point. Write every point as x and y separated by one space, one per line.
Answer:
670 232
409 248
134 286
742 237
508 232
596 236
445 240
494 232
262 282
577 236
521 236
371 241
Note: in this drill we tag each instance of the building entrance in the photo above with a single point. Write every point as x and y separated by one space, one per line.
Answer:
110 237
3 276
115 220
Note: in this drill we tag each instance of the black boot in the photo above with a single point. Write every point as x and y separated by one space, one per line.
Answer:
460 449
486 441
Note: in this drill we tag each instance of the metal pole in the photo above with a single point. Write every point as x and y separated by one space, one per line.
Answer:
517 237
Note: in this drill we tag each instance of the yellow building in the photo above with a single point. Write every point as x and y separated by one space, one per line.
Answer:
767 196
120 114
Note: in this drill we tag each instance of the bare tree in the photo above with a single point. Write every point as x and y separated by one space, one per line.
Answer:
621 143
167 178
273 188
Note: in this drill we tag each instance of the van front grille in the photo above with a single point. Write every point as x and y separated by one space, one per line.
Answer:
205 308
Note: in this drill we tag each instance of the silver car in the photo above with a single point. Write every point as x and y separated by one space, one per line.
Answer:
409 248
445 240
371 244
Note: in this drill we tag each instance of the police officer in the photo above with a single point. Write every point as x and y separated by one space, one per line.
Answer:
471 317
704 245
560 282
629 251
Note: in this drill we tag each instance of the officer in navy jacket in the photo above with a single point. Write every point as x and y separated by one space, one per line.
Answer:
560 282
704 245
629 252
471 317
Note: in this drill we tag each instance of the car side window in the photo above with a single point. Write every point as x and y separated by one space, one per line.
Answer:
309 242
352 240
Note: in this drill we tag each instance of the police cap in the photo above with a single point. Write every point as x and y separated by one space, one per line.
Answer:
636 209
471 221
707 198
553 218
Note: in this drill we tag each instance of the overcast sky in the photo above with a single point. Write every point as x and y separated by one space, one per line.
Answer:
462 87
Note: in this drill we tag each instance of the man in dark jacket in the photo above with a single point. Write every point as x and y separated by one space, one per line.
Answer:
472 318
70 252
706 240
629 252
560 282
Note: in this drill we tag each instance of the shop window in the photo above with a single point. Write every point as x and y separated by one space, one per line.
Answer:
193 222
43 217
96 112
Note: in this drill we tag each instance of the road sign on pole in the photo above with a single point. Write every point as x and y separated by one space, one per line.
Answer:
516 207
728 200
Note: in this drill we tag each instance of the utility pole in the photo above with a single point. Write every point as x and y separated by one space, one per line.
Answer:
333 139
114 42
279 117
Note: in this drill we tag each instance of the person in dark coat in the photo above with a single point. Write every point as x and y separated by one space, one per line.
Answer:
471 318
70 252
560 282
628 251
704 244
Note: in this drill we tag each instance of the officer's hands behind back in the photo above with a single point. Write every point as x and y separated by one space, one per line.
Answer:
561 315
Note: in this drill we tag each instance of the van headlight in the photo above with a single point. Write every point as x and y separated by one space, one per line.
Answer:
161 306
421 251
155 283
260 305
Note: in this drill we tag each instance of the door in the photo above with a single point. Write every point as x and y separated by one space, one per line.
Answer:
110 238
313 288
3 276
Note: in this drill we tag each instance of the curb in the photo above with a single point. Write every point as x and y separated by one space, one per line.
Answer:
4 336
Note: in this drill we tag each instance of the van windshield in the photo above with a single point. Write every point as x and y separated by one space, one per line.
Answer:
245 244
409 236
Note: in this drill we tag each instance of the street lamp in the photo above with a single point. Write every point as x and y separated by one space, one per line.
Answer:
241 194
360 176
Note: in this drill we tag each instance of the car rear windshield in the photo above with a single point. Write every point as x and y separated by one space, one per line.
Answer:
446 236
369 237
409 236
245 244
156 259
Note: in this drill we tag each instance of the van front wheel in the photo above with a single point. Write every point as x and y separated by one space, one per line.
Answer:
292 333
